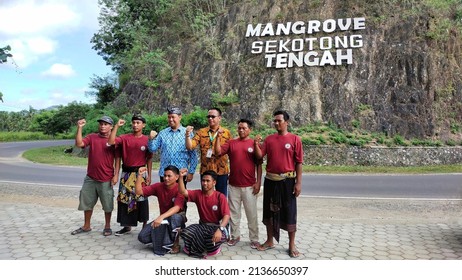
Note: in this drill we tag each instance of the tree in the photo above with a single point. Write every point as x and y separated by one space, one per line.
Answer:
105 89
4 54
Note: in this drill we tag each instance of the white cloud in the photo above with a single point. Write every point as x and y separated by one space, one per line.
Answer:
32 27
28 50
59 70
37 17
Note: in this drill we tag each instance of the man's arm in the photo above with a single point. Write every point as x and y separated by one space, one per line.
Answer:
258 152
257 186
223 223
153 141
191 142
181 187
112 136
192 163
298 179
117 161
78 135
139 181
217 143
157 222
149 165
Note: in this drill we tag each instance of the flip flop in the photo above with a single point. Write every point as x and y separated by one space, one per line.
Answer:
79 230
107 232
294 253
175 249
264 247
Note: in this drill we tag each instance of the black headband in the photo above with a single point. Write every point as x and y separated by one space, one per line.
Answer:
139 118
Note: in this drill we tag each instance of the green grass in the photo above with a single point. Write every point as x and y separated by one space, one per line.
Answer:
26 136
56 156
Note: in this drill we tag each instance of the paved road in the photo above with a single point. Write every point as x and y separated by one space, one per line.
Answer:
434 186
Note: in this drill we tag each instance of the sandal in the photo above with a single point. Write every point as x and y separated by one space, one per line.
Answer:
175 249
294 253
233 241
265 247
80 230
107 232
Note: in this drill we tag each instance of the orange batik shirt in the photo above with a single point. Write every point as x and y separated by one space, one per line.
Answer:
205 138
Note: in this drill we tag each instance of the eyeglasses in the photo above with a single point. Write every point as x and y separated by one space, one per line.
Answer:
211 117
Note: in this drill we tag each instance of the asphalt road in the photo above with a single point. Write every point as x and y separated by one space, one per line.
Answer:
13 168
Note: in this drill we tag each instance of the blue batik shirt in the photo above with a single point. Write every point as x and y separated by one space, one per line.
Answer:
173 150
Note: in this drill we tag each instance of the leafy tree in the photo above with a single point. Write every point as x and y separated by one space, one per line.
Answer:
61 119
105 89
66 117
4 54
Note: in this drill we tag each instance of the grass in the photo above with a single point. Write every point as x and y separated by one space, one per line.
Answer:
57 156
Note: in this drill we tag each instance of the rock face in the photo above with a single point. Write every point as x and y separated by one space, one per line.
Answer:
404 80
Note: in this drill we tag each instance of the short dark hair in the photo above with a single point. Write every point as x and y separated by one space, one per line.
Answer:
172 168
211 173
282 112
248 122
216 109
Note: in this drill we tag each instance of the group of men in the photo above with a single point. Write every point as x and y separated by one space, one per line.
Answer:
223 159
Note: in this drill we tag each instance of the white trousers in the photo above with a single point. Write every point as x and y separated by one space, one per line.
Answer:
238 196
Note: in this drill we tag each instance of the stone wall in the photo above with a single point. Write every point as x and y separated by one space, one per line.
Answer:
382 156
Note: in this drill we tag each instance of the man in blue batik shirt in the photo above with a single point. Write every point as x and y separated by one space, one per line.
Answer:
171 142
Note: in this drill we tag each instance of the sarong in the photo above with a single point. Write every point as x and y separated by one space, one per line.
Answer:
163 236
280 206
126 193
198 239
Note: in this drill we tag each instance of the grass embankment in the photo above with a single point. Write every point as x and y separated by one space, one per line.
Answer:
57 156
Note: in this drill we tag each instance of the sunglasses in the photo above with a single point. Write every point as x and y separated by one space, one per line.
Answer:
211 117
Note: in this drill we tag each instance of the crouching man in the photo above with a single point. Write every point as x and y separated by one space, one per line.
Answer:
164 231
205 238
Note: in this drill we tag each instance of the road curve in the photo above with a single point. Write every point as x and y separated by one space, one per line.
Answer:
13 168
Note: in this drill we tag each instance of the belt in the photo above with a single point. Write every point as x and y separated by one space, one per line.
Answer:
130 168
281 176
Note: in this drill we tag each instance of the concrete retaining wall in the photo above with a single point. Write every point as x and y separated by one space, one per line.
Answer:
382 156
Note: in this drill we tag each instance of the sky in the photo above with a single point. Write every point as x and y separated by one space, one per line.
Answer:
50 44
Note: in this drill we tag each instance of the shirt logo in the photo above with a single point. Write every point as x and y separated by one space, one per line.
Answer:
143 148
250 150
214 207
287 146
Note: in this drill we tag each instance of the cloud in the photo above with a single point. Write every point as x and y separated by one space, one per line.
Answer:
59 70
32 28
37 17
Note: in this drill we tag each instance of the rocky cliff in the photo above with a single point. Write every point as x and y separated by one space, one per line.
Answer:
404 78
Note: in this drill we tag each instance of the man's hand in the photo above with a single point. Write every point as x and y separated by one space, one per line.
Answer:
152 135
189 129
157 222
120 122
257 139
183 172
297 189
256 188
114 180
216 236
142 170
81 123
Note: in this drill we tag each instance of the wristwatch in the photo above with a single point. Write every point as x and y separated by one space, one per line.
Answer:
222 228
